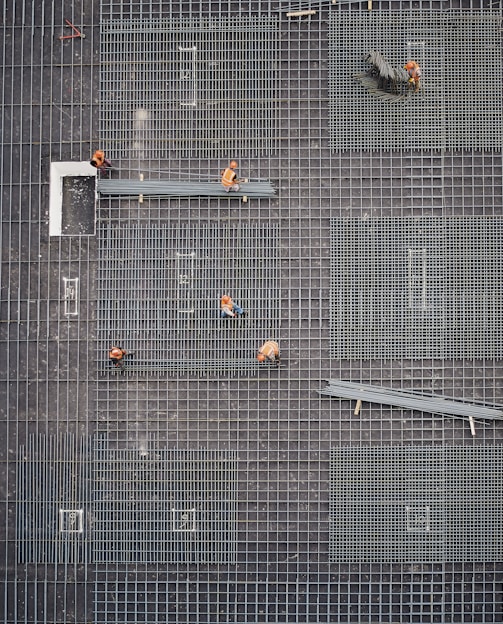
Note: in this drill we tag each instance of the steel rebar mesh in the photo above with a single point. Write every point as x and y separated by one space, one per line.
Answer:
280 428
159 295
195 87
418 287
459 102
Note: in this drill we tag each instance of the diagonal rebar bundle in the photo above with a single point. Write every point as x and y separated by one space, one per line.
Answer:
381 79
410 400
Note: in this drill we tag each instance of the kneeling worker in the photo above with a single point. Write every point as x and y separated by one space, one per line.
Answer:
117 355
229 308
229 178
269 352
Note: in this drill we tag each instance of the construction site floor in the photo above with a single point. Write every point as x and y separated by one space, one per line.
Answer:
200 486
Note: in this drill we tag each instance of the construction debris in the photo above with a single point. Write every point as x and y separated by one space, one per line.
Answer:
76 32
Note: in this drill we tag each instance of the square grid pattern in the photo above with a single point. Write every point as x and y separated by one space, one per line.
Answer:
160 288
275 425
411 503
158 505
459 104
53 504
417 288
197 87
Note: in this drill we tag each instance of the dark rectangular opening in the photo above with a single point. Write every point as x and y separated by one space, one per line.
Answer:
79 206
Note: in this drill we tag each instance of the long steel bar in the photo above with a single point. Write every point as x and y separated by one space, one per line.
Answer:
170 188
195 365
406 400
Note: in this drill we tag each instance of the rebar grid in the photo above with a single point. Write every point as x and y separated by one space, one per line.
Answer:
53 500
148 496
282 430
459 103
194 87
47 91
418 183
159 293
419 287
415 503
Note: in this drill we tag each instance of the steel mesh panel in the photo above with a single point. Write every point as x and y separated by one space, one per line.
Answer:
159 292
53 483
417 503
416 287
459 105
280 425
196 87
121 596
164 505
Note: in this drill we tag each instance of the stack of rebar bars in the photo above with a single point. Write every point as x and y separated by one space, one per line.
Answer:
411 400
177 188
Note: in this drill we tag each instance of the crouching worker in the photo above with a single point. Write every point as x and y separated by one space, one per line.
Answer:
414 71
269 352
117 355
229 178
102 164
230 309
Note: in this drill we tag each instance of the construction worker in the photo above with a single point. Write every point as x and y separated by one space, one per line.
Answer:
100 162
414 71
117 355
269 352
229 308
230 180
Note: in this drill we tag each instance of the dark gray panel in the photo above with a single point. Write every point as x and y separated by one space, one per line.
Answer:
78 205
421 504
425 287
459 104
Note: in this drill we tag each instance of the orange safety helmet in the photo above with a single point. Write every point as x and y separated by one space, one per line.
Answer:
233 164
116 352
226 299
413 69
260 357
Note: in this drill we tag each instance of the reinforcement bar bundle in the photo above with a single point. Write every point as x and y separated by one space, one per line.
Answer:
177 188
410 400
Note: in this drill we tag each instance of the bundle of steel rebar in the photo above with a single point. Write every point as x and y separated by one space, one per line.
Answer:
135 366
411 400
180 188
383 80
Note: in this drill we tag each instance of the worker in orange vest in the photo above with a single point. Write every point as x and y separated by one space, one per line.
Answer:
414 71
117 355
269 352
100 162
229 308
229 178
